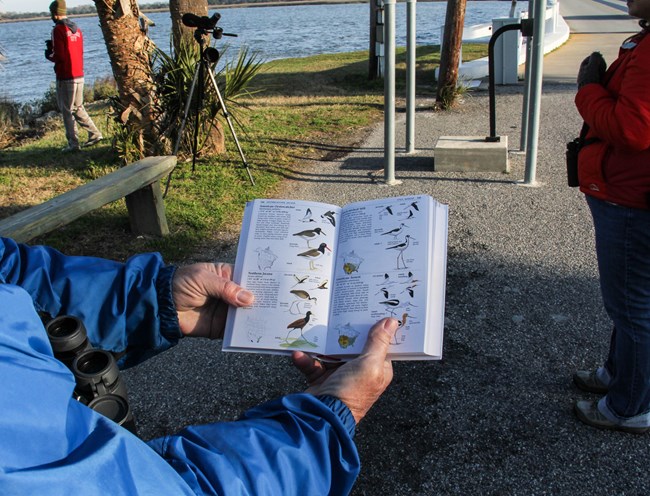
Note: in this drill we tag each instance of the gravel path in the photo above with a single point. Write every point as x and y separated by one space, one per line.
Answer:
523 312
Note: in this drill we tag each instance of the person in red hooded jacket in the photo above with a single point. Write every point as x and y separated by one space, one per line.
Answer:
614 174
66 51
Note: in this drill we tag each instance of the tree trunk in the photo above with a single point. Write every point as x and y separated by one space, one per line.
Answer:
450 53
129 50
214 139
179 7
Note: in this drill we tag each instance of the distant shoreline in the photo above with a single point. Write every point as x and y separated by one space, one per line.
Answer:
215 7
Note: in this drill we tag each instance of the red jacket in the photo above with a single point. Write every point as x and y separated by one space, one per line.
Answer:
68 54
616 167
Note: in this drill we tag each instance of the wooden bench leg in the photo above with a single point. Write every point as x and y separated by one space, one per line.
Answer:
147 211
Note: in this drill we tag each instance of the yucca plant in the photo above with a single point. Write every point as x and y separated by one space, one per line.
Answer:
174 75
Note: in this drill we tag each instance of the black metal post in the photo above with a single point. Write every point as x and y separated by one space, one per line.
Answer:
493 118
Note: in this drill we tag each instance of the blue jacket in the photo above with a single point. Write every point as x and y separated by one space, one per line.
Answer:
51 444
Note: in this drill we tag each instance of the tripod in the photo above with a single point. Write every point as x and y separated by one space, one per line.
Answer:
209 55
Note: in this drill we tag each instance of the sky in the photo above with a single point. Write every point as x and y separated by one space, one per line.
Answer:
38 5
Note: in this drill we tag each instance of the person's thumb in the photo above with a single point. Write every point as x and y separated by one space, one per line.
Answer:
379 338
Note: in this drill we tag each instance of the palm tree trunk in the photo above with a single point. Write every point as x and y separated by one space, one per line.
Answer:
179 7
129 51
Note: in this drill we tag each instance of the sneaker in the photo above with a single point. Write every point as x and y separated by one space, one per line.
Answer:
70 149
590 381
589 413
94 141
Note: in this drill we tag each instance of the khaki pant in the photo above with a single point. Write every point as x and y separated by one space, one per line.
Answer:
70 98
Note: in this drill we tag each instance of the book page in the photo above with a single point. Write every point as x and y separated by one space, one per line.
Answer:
285 257
382 270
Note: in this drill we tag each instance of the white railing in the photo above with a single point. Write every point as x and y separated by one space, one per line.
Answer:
556 33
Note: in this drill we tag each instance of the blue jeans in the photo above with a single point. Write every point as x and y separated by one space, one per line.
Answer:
623 251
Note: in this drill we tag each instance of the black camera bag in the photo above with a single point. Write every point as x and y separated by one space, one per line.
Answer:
573 148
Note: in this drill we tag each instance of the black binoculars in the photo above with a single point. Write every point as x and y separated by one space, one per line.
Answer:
97 376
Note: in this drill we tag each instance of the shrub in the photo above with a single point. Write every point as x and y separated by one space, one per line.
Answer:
9 120
103 89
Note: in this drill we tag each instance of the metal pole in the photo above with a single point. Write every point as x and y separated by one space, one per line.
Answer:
389 92
536 86
526 103
410 75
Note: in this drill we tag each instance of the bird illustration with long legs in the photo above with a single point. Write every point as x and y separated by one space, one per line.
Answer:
401 247
390 305
309 234
300 325
314 254
301 296
401 324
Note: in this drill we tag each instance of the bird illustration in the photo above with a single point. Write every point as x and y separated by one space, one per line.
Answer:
410 215
299 280
401 324
309 234
308 216
300 325
314 254
301 295
329 215
401 247
413 205
389 210
322 285
390 304
411 279
383 291
409 290
395 232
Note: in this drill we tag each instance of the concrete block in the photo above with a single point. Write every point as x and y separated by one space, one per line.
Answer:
471 154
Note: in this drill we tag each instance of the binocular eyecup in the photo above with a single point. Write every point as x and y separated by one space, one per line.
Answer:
97 377
115 408
68 338
96 374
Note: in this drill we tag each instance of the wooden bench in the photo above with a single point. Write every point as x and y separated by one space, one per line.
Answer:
138 183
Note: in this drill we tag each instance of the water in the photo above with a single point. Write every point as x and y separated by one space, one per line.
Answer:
275 32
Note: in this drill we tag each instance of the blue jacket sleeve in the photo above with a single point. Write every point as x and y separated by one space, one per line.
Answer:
126 307
296 445
52 444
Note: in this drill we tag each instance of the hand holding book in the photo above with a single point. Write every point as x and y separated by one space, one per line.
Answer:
360 382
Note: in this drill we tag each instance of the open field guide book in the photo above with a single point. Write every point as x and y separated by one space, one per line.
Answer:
322 275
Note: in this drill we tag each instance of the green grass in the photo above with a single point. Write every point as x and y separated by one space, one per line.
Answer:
300 108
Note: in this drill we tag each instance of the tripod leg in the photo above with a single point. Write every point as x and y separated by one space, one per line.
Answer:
199 104
187 109
183 122
232 128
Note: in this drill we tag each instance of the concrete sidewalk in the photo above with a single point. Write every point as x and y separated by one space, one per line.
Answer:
595 26
523 313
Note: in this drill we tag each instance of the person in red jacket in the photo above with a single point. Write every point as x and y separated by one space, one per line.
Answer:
66 51
614 174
